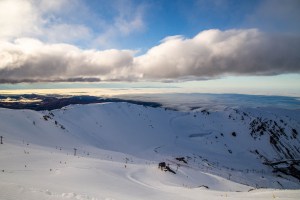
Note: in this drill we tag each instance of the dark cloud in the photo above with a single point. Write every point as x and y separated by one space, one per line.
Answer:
75 79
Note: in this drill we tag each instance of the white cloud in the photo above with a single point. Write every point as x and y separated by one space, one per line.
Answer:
17 18
215 53
70 21
130 17
29 60
68 33
127 20
47 6
41 19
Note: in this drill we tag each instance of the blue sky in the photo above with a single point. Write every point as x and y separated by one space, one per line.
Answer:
162 18
229 44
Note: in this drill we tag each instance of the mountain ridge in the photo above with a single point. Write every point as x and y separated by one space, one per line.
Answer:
231 143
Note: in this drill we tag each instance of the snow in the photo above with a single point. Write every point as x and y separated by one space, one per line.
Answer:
119 146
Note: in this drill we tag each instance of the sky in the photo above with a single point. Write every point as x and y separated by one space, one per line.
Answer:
218 46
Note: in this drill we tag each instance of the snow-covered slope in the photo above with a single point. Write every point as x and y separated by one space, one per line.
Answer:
119 145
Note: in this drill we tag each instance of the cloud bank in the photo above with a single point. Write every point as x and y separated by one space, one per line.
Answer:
215 53
210 54
30 60
38 43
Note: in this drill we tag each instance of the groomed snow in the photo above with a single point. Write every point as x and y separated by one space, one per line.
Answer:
119 146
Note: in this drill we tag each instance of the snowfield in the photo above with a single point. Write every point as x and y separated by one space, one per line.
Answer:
225 153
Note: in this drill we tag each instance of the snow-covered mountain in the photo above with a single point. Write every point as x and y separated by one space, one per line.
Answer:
213 152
